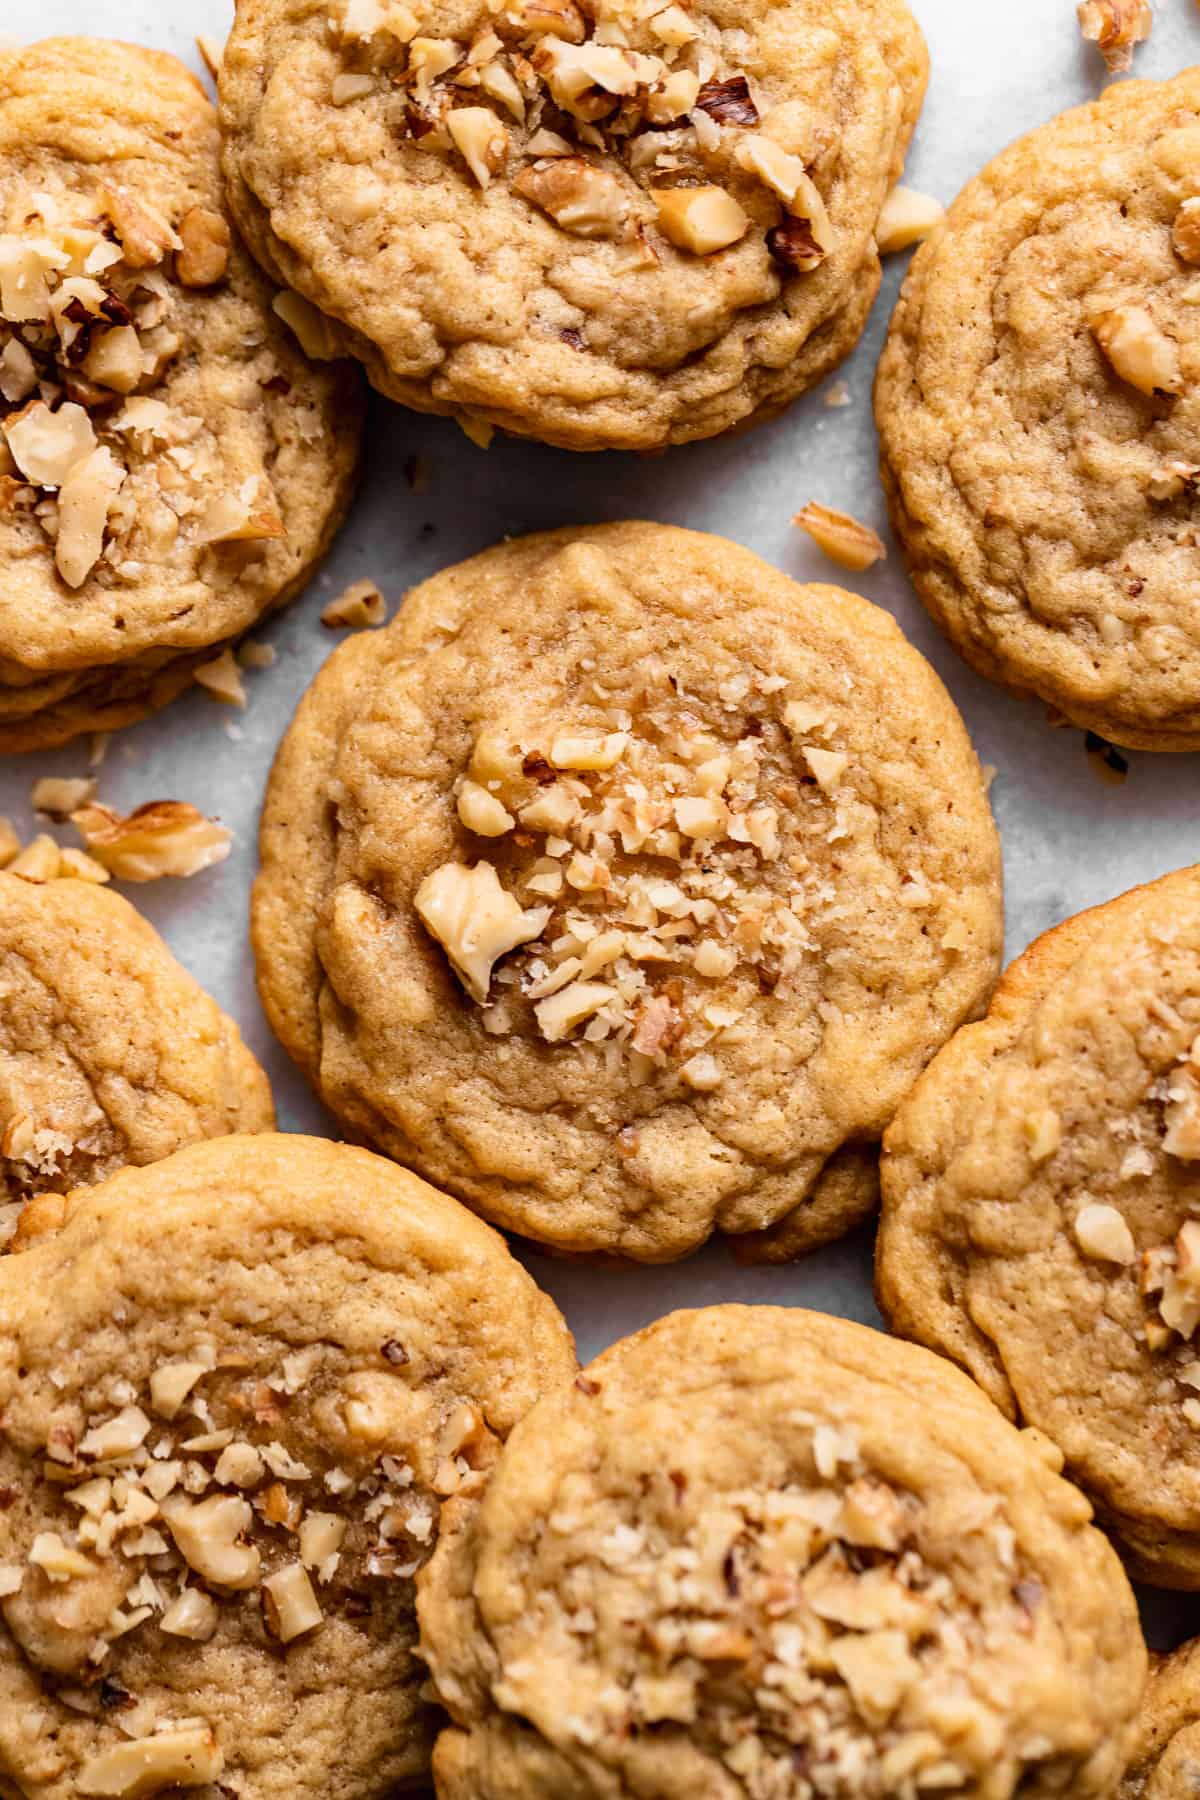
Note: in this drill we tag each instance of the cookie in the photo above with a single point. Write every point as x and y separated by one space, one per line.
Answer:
109 1052
238 1389
1039 411
604 226
620 884
171 465
767 1554
1166 1764
1040 1187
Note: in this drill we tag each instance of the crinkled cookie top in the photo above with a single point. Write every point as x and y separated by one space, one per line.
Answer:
238 1389
616 224
1042 1189
1039 407
767 1555
621 882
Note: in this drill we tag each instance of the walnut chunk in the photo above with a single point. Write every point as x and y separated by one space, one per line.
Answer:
46 445
1101 1233
581 199
290 1607
251 515
357 607
1185 233
562 1012
194 1615
482 813
145 235
1138 350
208 1535
1116 27
115 359
77 865
58 797
164 837
728 102
311 329
171 1383
550 18
475 920
906 218
480 139
700 219
40 861
203 256
1182 1116
222 679
84 501
844 540
185 1758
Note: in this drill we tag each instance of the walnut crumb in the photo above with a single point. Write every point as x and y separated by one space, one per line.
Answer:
222 679
357 607
906 218
1139 351
164 837
843 539
1101 1232
1116 27
58 797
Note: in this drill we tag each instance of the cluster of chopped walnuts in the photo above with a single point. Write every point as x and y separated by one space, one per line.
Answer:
89 325
799 1633
180 1502
164 837
585 127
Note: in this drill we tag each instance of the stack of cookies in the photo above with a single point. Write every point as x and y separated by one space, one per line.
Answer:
621 893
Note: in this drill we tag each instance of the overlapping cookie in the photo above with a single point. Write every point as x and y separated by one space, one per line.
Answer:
110 1053
171 465
761 1553
1166 1763
1039 409
238 1388
622 888
617 225
1041 1216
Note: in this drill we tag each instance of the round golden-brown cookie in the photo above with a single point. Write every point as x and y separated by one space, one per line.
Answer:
1040 1195
171 465
621 883
768 1554
1166 1763
1039 409
238 1389
110 1053
608 226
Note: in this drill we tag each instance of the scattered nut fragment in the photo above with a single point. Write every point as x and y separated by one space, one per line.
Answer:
482 813
204 247
208 1535
1182 1117
582 750
194 1615
85 497
1115 27
249 516
212 54
46 445
1101 1232
164 837
827 765
344 89
358 606
38 862
844 540
1185 233
10 843
57 1560
79 866
171 1383
144 233
480 139
59 796
311 329
700 219
222 678
475 920
728 102
581 199
321 1537
143 1766
1140 353
906 218
290 1606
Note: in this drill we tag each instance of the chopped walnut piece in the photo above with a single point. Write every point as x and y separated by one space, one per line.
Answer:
584 750
475 920
115 360
164 837
906 218
290 1606
311 328
249 516
47 445
58 1561
550 18
1182 1117
193 1615
1101 1232
79 866
563 1011
212 53
1138 350
581 199
1185 233
548 143
10 843
222 678
844 540
480 139
1116 27
171 1383
728 102
827 765
84 500
346 88
700 219
186 1757
144 233
702 1073
204 247
321 1536
208 1535
58 797
38 862
672 98
18 372
792 245
358 606
482 813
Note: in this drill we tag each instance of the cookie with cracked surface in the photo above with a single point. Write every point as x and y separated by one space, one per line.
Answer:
610 226
238 1389
110 1053
172 466
1038 404
1039 1189
620 883
1166 1763
763 1553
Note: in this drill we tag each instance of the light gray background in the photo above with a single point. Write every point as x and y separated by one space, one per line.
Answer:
1069 841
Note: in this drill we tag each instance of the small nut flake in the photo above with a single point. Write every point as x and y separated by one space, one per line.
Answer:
58 797
906 218
702 220
162 838
204 248
1102 1233
1139 351
844 540
1116 27
222 679
1185 233
581 199
183 1758
358 607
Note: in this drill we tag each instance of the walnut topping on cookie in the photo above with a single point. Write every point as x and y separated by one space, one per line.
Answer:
234 1499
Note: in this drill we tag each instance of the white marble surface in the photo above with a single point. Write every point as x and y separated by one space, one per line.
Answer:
1069 841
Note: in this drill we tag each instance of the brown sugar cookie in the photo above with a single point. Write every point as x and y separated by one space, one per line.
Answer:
1038 405
171 465
238 1389
1040 1195
759 1554
1166 1763
110 1053
613 226
620 884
